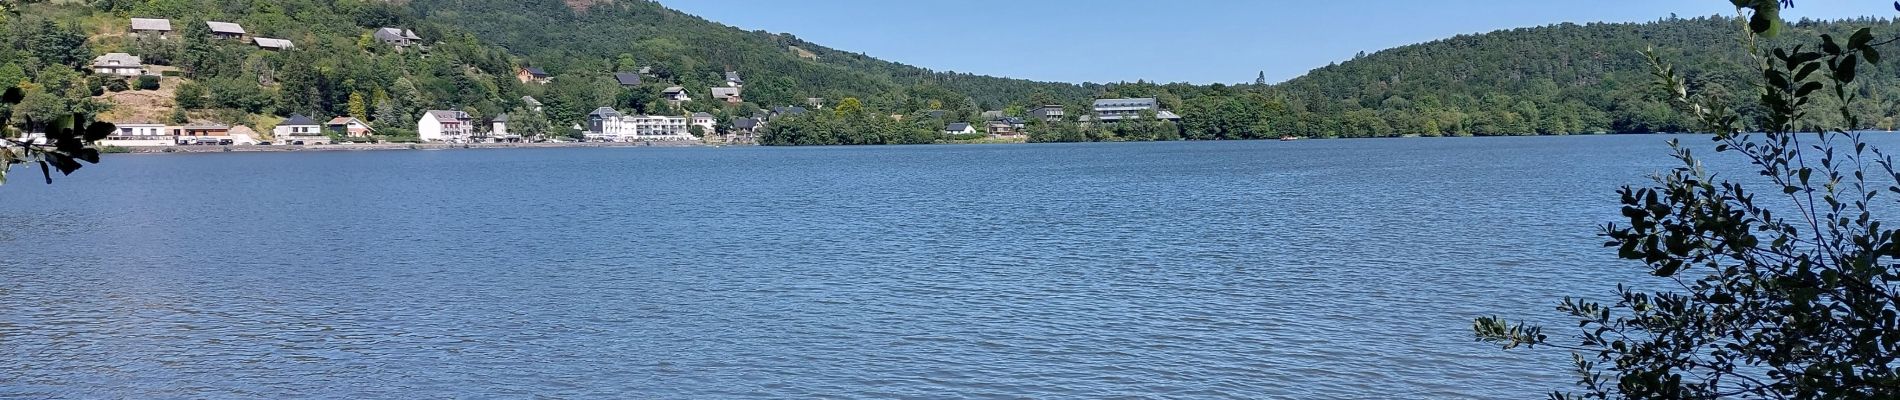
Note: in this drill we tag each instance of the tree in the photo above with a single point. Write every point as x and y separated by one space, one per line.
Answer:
68 139
389 117
1262 80
849 106
359 107
148 82
528 122
1784 293
189 95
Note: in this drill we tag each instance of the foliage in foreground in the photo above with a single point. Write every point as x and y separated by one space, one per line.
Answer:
1784 293
67 141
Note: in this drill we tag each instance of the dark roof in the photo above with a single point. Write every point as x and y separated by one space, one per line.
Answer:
298 119
746 123
790 110
627 78
935 113
956 127
604 112
445 115
536 71
733 76
501 118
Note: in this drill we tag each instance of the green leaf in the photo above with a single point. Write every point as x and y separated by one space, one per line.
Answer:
99 131
1805 89
1766 20
1802 74
1848 65
88 155
1872 56
1828 45
1860 38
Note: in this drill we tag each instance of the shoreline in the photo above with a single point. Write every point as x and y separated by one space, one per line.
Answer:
384 147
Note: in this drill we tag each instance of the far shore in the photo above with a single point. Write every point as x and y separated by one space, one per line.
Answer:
387 146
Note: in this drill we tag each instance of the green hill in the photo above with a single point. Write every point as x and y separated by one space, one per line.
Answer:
473 50
1559 79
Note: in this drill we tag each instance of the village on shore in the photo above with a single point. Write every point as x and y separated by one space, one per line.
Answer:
602 125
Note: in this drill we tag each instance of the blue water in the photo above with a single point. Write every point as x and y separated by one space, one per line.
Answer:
1309 269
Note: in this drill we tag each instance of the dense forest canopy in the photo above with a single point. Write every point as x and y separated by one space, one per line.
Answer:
1559 79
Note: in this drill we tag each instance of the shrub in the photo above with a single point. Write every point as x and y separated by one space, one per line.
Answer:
148 82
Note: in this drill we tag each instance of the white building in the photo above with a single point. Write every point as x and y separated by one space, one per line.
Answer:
132 134
300 130
1115 110
445 126
119 64
704 121
607 125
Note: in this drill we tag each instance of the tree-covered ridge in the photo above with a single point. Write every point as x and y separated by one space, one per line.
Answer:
473 49
696 53
1559 79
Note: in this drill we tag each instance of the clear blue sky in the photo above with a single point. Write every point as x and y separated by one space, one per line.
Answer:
1199 41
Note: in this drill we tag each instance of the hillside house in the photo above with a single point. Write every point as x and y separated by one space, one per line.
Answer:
1006 127
135 134
733 80
225 30
627 79
272 44
399 37
816 103
498 127
959 128
705 121
118 64
676 94
728 94
531 102
745 126
533 75
1048 113
607 125
1116 110
445 126
150 27
349 127
300 130
199 133
138 130
787 111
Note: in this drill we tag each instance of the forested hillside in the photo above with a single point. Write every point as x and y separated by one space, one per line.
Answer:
1561 79
473 51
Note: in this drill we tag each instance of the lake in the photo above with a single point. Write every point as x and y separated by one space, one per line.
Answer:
1307 269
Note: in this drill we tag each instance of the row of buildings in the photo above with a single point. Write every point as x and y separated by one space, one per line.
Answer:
1107 111
296 130
162 28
